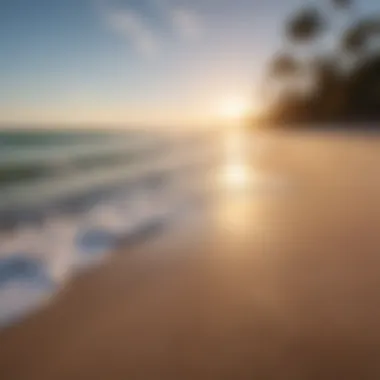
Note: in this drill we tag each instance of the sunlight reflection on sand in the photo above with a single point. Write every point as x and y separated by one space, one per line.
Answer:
237 173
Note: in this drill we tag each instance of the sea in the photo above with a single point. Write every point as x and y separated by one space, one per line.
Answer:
69 199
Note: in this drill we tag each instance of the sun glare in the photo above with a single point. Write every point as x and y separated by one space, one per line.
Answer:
234 108
236 176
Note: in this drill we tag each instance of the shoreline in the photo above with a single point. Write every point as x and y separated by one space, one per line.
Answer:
264 285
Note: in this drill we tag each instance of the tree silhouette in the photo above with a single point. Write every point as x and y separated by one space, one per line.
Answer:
305 26
284 66
344 82
359 37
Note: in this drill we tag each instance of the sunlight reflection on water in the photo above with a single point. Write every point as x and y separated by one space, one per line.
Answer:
236 173
236 177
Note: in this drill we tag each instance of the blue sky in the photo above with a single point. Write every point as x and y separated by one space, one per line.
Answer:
134 61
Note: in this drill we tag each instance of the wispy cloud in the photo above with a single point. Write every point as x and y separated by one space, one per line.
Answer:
186 22
184 19
132 26
144 35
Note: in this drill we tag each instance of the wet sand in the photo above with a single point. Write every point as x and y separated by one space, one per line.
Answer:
277 276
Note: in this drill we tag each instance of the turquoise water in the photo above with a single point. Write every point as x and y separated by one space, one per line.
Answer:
40 168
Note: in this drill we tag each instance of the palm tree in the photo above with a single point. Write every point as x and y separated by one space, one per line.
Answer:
284 66
358 38
306 25
281 75
344 82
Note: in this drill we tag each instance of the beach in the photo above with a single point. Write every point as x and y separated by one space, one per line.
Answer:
274 272
68 199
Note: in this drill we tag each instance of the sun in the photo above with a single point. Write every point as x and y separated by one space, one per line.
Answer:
234 108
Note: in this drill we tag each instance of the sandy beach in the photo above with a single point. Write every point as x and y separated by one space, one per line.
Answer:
276 276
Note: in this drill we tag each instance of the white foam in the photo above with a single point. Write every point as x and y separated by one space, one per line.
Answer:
60 247
17 299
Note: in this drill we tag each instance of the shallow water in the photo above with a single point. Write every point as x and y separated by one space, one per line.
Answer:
69 199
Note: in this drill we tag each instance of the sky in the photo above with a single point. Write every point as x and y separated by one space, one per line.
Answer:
134 62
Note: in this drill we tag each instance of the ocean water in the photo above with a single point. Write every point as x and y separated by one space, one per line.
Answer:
68 199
